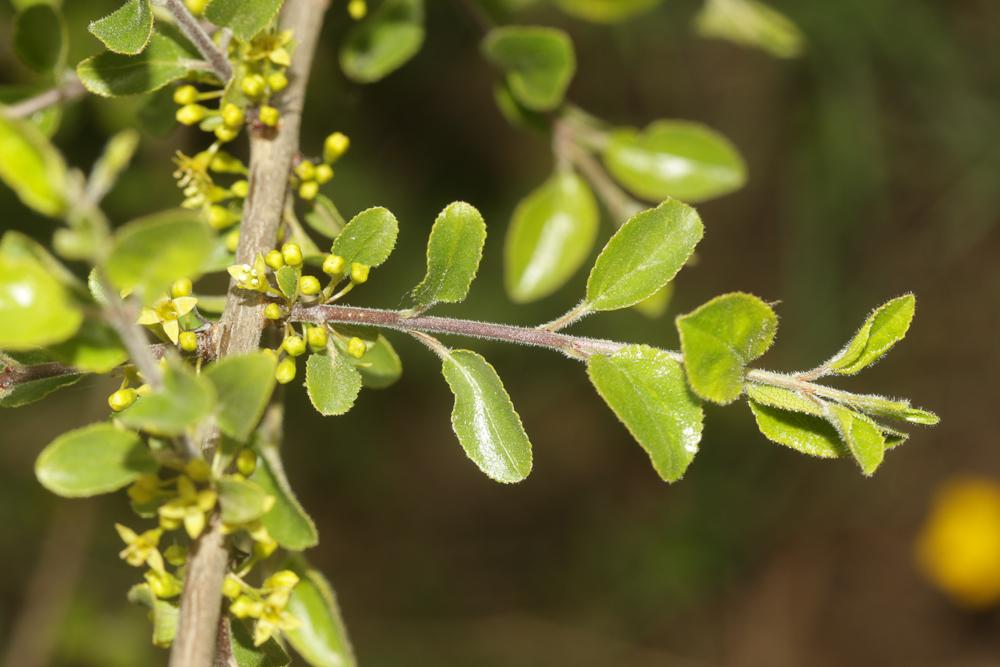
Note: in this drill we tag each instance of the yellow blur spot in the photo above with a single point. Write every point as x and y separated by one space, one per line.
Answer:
958 549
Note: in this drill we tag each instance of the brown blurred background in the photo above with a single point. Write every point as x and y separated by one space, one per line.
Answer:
874 170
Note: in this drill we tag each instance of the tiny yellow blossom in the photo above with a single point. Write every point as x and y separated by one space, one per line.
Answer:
166 313
141 549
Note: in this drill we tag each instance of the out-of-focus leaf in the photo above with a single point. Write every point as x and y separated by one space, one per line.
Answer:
656 305
325 218
243 385
40 38
368 238
551 235
114 160
163 61
244 17
35 309
162 613
321 639
606 11
287 522
27 392
32 167
384 41
538 63
751 23
454 251
184 400
242 501
128 29
92 460
95 348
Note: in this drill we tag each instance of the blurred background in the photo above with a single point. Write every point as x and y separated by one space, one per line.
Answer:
874 170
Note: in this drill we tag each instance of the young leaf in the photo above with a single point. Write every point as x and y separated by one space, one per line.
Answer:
32 167
454 251
751 23
325 218
183 402
674 159
114 160
244 17
321 638
92 460
886 326
287 522
783 399
24 393
539 63
881 406
645 389
332 382
863 437
242 501
368 238
806 433
720 338
484 419
35 309
40 38
163 61
643 256
287 278
128 29
247 654
384 42
606 11
95 348
243 385
550 236
151 253
162 613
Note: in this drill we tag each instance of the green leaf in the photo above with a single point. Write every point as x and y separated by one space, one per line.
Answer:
163 614
720 338
325 218
287 278
655 306
516 113
454 251
380 367
863 437
151 253
383 42
287 522
880 406
114 160
15 244
268 654
643 256
95 348
645 389
332 382
674 159
606 11
539 63
243 385
163 61
182 403
751 23
40 39
550 237
24 393
92 460
805 433
368 238
886 326
321 638
484 419
35 310
245 18
242 501
32 167
784 399
128 29
46 120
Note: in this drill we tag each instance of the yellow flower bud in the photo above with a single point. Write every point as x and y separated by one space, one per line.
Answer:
246 461
285 372
281 580
274 259
294 345
272 311
121 399
198 470
305 170
246 607
188 341
175 554
309 190
317 338
224 163
191 114
333 265
231 587
163 584
357 9
335 145
181 288
219 217
359 272
232 116
196 7
253 85
225 134
240 188
356 347
292 254
269 116
233 240
324 173
186 95
309 285
277 82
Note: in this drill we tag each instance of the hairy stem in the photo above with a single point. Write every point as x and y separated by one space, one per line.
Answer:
189 25
239 331
70 89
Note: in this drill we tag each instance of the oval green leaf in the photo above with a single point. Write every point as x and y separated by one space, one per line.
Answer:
550 237
92 460
35 309
806 433
32 167
484 419
645 389
538 63
128 29
863 437
332 382
40 38
384 42
454 251
245 18
884 327
368 238
643 256
163 61
751 23
321 638
287 522
27 392
606 11
678 159
95 348
243 386
182 403
242 501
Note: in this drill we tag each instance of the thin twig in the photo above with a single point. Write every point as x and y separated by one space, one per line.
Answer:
69 90
189 25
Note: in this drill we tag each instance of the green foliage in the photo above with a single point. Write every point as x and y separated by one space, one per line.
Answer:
551 235
242 501
128 29
35 309
454 251
287 521
95 348
678 159
92 460
862 435
321 638
804 433
381 366
886 326
332 382
32 167
243 386
163 61
385 41
538 63
162 613
368 238
25 393
606 11
39 38
245 18
183 402
149 254
484 419
751 23
246 654
645 389
720 338
643 256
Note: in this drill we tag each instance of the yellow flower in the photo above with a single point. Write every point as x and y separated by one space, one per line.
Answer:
141 549
272 618
958 549
166 312
252 278
189 507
